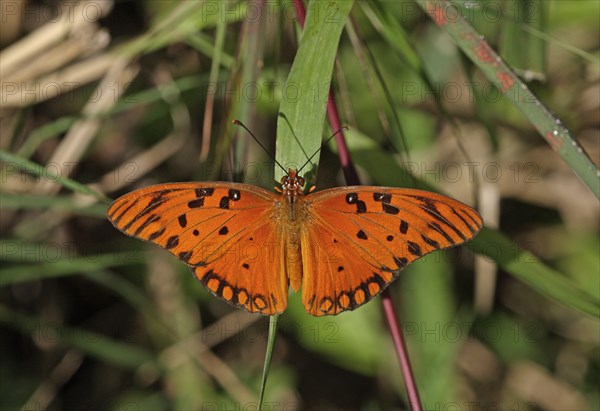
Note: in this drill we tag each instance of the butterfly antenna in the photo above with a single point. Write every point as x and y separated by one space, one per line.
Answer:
328 140
239 123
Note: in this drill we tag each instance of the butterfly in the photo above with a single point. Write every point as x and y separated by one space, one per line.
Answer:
247 245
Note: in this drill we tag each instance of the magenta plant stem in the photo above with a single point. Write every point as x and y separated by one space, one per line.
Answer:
345 159
352 178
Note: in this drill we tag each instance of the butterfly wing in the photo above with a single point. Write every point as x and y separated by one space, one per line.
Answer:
223 231
358 239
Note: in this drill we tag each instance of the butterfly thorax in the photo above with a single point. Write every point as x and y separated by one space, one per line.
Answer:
291 184
291 189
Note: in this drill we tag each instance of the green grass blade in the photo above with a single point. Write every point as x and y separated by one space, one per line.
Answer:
269 354
497 71
204 44
60 268
525 266
44 133
393 32
529 58
63 203
302 110
89 342
40 261
30 167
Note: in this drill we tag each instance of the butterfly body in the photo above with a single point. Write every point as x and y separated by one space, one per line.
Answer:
247 245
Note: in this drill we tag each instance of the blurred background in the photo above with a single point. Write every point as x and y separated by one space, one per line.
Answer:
105 97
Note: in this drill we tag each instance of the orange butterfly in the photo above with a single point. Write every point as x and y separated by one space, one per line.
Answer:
246 244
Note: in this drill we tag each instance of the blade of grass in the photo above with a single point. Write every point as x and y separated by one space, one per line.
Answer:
496 70
93 344
44 133
529 58
210 97
301 117
525 266
205 45
44 172
305 94
250 57
180 22
63 203
59 268
269 354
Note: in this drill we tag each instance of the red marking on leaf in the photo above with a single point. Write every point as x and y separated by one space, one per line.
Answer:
484 52
438 15
506 80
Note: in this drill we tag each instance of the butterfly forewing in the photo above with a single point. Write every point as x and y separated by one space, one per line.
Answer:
359 238
223 231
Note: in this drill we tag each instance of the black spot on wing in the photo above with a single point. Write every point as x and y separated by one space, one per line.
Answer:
224 230
172 242
340 269
389 209
204 192
197 203
156 234
185 256
352 198
361 234
361 207
182 220
414 248
389 237
234 194
429 241
246 266
383 197
196 232
400 262
403 227
224 203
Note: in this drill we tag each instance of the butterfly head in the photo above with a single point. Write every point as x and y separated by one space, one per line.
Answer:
292 183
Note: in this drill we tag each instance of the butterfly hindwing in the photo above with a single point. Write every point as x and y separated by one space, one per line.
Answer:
223 231
338 275
359 238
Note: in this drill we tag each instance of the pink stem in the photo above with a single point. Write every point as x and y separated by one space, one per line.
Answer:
351 177
401 351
